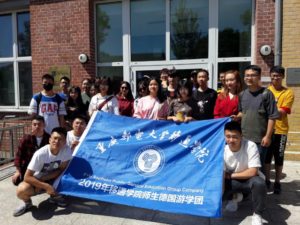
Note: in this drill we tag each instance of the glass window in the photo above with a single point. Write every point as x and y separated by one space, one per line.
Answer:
189 29
235 28
24 47
7 86
115 74
148 27
109 32
6 39
25 80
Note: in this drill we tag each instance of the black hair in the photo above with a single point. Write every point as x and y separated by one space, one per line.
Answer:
143 84
164 70
81 117
38 118
160 95
60 130
203 71
185 83
233 126
65 78
278 69
48 77
255 68
106 81
129 94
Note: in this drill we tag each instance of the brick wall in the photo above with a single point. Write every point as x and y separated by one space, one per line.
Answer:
264 32
291 58
60 31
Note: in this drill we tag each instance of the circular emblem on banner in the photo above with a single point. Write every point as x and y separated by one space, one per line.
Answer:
149 160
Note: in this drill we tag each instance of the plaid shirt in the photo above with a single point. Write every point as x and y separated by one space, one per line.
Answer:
27 147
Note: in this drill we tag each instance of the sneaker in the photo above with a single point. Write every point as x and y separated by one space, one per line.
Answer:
277 188
22 208
232 205
58 200
256 219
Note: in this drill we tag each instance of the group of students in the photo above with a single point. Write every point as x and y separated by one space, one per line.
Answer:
259 115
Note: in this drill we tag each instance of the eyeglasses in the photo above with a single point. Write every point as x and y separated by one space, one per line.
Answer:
251 75
125 88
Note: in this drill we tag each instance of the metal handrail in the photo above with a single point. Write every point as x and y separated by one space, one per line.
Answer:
9 138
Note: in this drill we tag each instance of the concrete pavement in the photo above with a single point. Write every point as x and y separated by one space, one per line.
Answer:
281 209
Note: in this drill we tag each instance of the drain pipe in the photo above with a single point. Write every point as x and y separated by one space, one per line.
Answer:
278 33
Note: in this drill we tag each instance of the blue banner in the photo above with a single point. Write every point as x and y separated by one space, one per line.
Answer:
158 165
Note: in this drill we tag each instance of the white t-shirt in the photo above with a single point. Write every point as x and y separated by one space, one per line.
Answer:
43 161
112 106
49 109
71 137
247 157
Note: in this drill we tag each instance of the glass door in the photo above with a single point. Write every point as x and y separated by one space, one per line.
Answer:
184 71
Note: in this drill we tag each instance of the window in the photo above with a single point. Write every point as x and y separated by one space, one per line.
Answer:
189 29
109 32
148 28
235 17
15 62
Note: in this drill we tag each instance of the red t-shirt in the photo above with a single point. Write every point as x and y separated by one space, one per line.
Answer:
125 106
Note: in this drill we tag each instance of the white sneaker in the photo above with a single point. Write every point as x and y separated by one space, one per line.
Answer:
23 208
256 219
232 205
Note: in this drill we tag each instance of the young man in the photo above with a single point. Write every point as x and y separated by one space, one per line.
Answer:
64 85
284 98
49 105
46 165
73 136
205 96
258 111
241 172
28 146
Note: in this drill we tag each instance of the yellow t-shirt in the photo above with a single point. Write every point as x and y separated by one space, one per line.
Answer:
284 100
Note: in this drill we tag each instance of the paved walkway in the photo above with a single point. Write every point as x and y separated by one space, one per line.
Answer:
281 209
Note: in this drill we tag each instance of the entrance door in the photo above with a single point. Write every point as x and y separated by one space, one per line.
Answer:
184 71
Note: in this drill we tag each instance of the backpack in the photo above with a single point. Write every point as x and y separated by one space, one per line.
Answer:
58 99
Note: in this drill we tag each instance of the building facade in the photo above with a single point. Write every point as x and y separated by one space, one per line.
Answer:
127 39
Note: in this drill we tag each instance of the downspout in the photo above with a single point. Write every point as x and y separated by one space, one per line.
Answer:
278 33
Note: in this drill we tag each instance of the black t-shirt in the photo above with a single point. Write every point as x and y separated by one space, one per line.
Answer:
206 102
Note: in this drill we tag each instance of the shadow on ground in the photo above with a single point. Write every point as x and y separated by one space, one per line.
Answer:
274 214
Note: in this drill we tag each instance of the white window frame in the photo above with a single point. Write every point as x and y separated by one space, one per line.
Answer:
213 33
15 59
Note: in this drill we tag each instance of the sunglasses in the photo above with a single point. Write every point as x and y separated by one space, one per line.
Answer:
126 88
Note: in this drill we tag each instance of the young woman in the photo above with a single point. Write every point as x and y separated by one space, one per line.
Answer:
74 104
104 100
152 106
94 89
125 99
184 108
227 101
142 91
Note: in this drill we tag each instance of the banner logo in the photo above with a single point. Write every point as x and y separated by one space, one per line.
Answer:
149 161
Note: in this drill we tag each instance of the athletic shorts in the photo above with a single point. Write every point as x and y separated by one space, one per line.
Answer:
276 149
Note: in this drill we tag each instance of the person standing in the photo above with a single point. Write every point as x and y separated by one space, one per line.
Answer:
125 99
104 100
49 105
64 85
28 146
228 100
284 98
258 111
153 106
205 96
